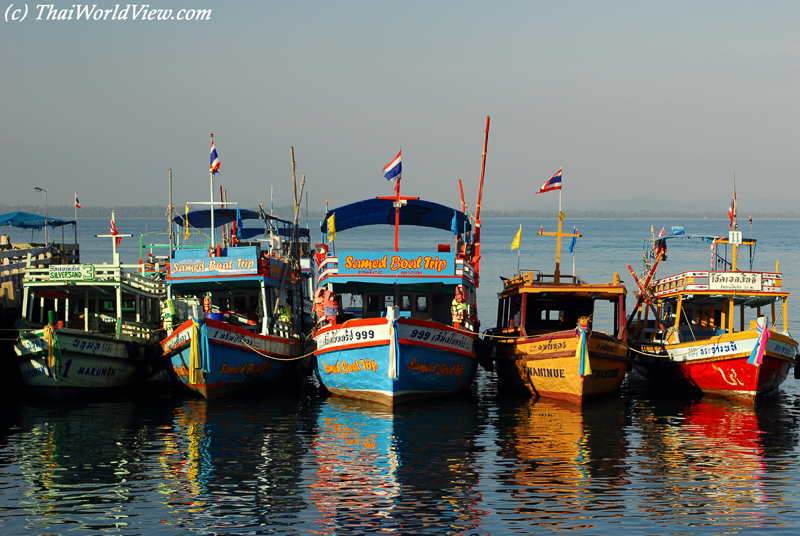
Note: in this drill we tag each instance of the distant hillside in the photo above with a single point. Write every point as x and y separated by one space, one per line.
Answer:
286 212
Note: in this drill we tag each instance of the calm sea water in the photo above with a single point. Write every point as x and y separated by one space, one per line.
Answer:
159 462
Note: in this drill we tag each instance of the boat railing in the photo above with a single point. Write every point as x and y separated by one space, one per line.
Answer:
536 277
103 274
726 281
139 330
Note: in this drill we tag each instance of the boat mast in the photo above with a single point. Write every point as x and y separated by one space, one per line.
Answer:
397 214
211 195
476 255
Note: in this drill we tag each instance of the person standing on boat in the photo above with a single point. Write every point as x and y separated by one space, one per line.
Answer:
459 307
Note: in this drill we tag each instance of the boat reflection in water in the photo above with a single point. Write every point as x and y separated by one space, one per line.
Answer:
234 465
684 464
410 469
706 464
81 465
564 463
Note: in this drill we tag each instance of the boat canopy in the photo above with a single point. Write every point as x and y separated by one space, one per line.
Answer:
380 211
26 220
201 219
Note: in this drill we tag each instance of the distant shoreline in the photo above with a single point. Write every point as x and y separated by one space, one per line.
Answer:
286 212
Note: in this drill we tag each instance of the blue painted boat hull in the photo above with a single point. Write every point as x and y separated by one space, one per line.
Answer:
361 367
233 361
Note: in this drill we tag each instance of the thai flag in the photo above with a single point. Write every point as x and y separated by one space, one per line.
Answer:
114 231
393 169
553 184
732 209
77 203
214 159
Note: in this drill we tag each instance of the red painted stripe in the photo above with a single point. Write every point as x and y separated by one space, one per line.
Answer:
436 347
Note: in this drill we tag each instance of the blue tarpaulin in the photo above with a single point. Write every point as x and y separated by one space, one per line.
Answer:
380 211
201 219
26 220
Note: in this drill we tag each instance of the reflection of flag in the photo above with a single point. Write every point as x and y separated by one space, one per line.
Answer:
732 209
574 239
114 231
393 169
553 184
215 163
332 228
515 243
77 203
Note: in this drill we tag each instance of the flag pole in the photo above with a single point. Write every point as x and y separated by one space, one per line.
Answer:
76 218
211 194
397 211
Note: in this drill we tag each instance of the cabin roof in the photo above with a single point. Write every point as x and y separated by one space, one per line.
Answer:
380 211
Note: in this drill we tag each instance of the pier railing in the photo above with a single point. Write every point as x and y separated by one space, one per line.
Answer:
15 261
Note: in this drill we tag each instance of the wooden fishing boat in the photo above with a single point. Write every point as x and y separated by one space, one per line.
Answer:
237 311
723 331
88 327
399 336
545 339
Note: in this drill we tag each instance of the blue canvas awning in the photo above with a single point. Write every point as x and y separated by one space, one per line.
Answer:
380 211
26 220
201 219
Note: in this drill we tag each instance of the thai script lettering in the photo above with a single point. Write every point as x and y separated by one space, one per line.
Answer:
347 335
734 281
446 338
549 346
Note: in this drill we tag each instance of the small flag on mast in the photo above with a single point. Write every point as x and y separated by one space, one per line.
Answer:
393 169
574 240
215 163
332 228
77 203
553 184
517 238
114 231
732 209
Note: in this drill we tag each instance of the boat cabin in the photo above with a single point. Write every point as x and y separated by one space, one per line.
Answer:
532 304
93 298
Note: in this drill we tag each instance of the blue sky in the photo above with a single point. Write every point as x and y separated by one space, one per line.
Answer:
657 101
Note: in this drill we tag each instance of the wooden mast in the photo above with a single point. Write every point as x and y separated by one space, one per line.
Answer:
476 255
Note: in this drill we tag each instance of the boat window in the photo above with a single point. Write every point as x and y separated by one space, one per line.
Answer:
373 303
551 314
405 302
224 304
388 300
422 304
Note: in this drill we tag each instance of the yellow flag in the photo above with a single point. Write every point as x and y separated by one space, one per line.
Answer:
331 228
515 243
186 223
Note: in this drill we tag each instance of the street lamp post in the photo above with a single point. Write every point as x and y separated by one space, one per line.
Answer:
46 241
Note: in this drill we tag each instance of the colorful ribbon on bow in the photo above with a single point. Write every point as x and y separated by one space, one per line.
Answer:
198 352
757 355
581 352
